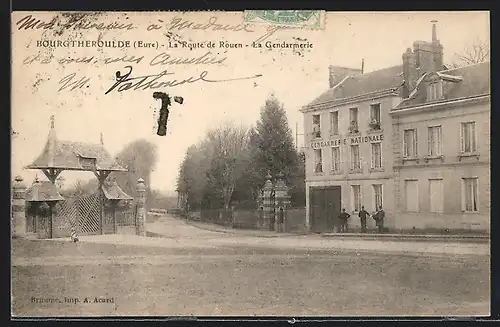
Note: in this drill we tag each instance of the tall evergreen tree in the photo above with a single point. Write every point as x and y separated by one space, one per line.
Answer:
272 143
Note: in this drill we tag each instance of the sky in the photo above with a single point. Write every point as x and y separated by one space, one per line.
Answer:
296 78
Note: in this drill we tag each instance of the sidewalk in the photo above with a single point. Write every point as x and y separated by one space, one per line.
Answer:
236 231
361 236
411 237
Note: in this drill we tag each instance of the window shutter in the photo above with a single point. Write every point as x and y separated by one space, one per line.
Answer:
415 139
473 136
462 144
374 154
405 144
351 162
462 192
429 141
440 140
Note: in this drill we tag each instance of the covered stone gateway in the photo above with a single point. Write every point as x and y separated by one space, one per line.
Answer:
41 198
119 213
92 214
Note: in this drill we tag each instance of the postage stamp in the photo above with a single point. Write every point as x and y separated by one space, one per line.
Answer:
300 18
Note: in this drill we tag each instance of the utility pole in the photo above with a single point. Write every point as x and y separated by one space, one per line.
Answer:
297 136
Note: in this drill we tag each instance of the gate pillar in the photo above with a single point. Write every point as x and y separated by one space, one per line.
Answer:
18 224
282 202
140 222
267 203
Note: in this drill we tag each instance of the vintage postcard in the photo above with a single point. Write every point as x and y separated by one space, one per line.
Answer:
256 163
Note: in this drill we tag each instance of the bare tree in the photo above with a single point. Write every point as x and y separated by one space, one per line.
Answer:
230 150
474 53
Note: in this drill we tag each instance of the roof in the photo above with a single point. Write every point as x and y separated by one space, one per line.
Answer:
113 192
65 155
465 82
43 191
378 80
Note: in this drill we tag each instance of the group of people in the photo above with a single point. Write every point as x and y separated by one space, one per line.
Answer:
378 216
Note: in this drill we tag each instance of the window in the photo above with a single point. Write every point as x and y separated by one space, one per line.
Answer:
318 161
377 195
435 141
334 123
336 158
377 155
468 137
356 196
87 162
469 194
411 194
353 118
434 91
410 143
375 116
355 159
436 195
316 126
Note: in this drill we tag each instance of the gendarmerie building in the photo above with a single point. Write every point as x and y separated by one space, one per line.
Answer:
442 144
348 146
359 143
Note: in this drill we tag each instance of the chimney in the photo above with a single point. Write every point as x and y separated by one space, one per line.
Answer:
362 65
434 34
102 139
410 74
429 55
337 74
437 48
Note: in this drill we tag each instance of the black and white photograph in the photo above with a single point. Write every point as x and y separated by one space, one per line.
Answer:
259 163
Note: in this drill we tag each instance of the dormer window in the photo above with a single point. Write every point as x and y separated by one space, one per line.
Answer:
88 163
435 91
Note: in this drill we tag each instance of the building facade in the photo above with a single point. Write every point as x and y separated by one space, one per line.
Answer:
442 150
348 146
413 138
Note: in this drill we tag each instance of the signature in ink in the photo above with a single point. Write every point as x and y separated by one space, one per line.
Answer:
69 82
125 82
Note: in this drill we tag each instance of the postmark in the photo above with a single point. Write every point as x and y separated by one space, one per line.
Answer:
297 18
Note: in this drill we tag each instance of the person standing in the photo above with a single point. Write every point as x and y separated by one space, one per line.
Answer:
362 216
344 216
379 219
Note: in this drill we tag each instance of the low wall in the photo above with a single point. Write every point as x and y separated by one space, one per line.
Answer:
126 230
248 219
245 219
296 220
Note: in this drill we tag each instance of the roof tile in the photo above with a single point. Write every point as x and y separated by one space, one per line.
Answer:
379 80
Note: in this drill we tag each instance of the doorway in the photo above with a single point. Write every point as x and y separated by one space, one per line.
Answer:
325 206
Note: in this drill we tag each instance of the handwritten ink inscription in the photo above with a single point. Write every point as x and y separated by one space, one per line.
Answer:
69 82
162 59
81 21
125 82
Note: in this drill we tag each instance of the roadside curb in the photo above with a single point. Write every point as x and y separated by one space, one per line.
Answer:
239 232
376 237
420 238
